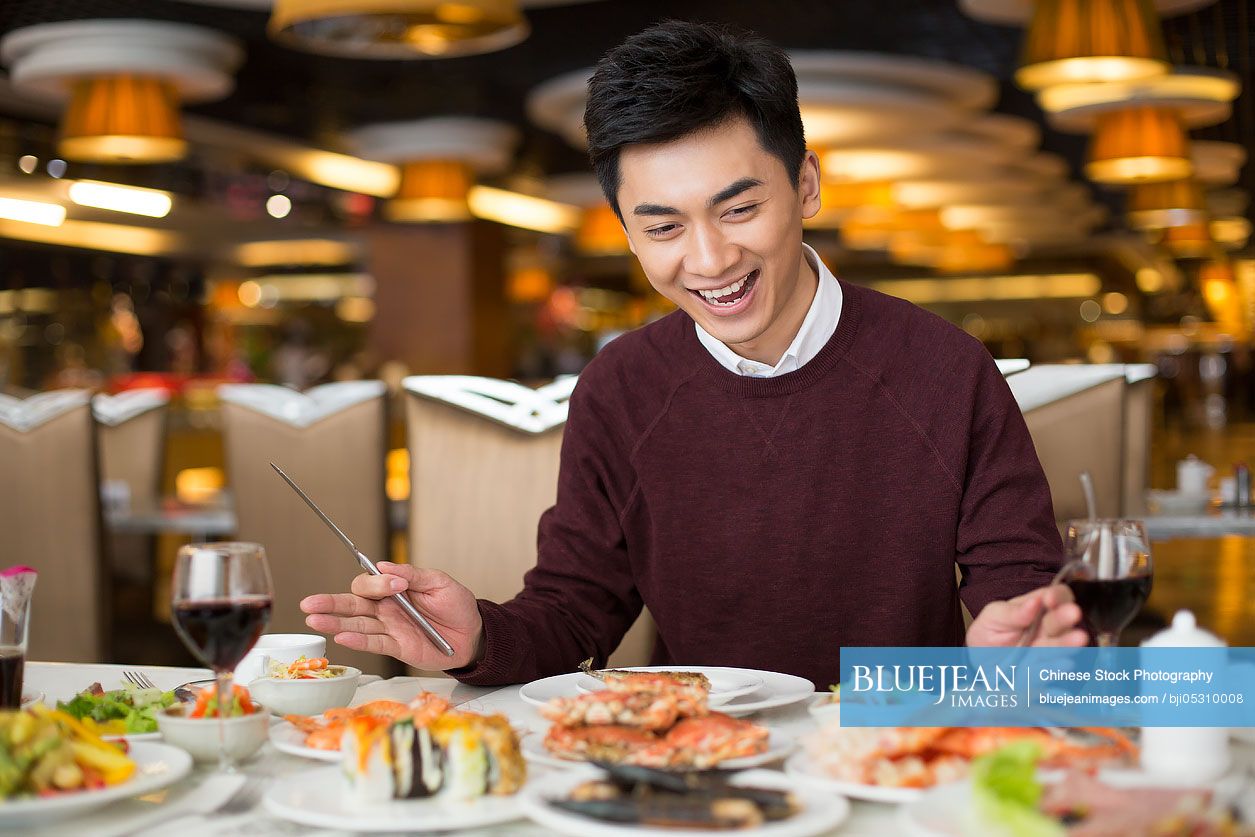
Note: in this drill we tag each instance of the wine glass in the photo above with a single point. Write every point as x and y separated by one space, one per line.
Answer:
1109 572
221 604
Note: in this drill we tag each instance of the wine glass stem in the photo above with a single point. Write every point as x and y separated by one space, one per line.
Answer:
223 685
1108 640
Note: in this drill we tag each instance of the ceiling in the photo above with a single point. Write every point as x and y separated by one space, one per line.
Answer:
315 99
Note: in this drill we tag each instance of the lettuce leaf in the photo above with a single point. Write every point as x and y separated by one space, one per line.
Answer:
1005 792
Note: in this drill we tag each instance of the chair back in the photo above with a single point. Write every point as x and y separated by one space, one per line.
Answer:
330 440
131 434
484 457
50 520
1076 417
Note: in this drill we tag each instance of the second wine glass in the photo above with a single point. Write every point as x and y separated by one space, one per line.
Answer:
1110 574
221 604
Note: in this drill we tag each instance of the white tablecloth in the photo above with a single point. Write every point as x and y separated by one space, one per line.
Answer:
245 814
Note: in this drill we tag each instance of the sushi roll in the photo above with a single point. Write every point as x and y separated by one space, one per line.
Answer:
456 756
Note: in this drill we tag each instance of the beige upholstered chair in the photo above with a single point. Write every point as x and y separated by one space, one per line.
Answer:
483 467
50 520
1139 409
131 436
331 441
1076 417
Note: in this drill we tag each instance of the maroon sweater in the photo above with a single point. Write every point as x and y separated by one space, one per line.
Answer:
766 522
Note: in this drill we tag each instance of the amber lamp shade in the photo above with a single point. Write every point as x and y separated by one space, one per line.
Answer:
1139 145
1190 241
432 191
398 28
1173 203
834 196
1079 41
122 119
600 233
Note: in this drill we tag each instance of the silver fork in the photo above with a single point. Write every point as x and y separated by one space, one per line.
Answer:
138 678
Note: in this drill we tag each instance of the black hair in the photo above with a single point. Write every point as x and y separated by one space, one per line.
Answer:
677 77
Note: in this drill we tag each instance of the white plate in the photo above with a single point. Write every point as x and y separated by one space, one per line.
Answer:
825 710
29 698
946 810
321 799
156 766
776 690
725 683
778 747
803 768
820 812
288 739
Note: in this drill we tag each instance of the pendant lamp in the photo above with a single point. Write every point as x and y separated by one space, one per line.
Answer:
391 29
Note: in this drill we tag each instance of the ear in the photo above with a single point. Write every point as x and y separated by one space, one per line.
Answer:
808 185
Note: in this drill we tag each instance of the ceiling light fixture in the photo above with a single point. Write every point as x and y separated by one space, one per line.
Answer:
124 80
1091 41
439 159
1170 204
1139 145
153 203
390 29
432 190
32 212
518 210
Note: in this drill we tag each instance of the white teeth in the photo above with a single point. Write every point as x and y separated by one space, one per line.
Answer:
711 296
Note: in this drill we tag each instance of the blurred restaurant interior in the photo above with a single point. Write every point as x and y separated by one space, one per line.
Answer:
200 196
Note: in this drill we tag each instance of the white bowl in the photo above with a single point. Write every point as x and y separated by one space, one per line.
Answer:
307 697
199 736
1175 502
825 710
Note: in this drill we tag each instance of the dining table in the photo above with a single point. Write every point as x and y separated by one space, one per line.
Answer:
244 812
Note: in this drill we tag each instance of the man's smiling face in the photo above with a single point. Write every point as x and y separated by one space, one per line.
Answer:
716 223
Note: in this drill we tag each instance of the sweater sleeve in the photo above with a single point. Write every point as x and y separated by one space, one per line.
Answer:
580 598
1007 542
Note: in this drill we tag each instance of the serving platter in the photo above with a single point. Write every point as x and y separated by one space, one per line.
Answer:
803 768
286 738
776 689
820 811
156 766
320 798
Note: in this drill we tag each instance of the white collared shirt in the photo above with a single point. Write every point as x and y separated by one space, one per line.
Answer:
818 327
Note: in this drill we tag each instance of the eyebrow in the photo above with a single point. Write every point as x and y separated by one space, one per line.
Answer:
726 193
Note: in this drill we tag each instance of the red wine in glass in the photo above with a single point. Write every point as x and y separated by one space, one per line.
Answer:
221 632
12 665
1109 605
1109 572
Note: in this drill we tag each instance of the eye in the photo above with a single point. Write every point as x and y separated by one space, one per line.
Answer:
662 231
741 211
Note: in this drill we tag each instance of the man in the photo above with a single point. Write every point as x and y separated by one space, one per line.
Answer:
787 464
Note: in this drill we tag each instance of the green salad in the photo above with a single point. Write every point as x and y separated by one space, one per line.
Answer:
126 711
1006 792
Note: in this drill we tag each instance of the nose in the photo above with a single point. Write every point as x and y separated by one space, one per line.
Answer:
710 253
